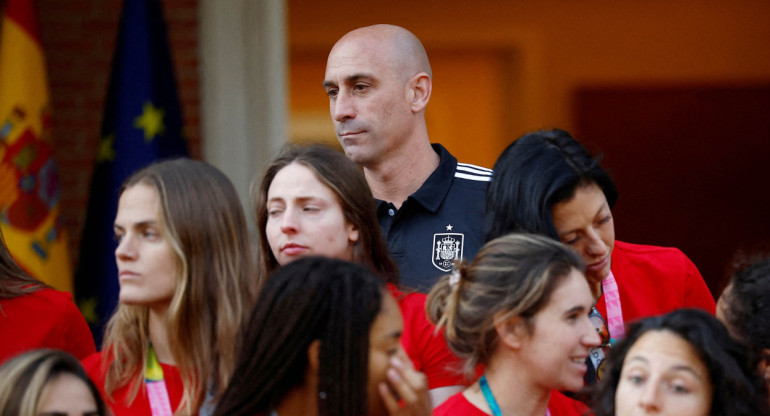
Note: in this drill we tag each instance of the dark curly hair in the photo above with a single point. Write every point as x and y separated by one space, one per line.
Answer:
736 387
746 305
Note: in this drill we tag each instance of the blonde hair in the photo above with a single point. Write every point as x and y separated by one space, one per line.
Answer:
513 275
205 223
26 377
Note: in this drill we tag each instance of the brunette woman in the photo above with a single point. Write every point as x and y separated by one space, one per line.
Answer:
547 183
312 200
520 309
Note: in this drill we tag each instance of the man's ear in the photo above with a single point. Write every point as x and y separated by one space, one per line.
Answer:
421 86
511 331
313 354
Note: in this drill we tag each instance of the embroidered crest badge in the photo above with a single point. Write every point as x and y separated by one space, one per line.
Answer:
447 248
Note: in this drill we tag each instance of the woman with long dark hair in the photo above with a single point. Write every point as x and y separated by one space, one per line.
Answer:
324 339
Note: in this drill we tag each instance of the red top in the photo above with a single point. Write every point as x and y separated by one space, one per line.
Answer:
45 318
558 405
426 347
141 405
655 280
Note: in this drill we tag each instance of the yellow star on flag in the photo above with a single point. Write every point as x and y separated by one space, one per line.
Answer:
106 152
151 121
88 309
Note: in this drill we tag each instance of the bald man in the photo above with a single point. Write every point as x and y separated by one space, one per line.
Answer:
430 207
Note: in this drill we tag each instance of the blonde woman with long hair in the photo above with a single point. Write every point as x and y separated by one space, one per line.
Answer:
186 288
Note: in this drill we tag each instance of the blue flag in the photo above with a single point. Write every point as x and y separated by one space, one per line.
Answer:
142 123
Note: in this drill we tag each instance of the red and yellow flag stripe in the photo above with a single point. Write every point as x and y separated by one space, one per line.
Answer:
29 188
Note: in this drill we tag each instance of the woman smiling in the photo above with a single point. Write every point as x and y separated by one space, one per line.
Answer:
520 309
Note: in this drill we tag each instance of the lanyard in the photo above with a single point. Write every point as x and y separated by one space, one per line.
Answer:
614 312
614 322
491 398
156 386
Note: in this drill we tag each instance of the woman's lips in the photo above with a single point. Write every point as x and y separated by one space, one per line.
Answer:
599 265
292 249
127 275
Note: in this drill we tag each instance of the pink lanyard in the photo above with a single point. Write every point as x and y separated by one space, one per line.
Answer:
614 322
156 386
614 311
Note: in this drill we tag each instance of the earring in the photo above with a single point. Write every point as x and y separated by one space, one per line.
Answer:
322 395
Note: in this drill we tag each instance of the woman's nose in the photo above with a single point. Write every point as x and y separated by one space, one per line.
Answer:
289 223
125 249
596 246
650 397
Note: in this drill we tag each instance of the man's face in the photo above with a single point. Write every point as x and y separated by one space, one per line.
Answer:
368 99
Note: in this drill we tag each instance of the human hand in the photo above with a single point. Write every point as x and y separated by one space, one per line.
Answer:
406 392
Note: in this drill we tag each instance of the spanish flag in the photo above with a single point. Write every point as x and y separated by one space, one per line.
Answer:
29 183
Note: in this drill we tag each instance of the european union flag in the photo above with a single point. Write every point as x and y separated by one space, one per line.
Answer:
142 123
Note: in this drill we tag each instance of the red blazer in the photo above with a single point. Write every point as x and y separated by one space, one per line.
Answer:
655 280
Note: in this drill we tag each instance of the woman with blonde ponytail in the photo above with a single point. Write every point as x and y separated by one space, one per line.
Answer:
520 309
186 289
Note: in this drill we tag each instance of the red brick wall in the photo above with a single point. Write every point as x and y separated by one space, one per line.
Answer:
78 37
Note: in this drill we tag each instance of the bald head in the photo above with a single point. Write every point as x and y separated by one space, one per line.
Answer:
378 81
389 44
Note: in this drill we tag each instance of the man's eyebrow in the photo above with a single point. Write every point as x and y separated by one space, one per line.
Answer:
350 79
